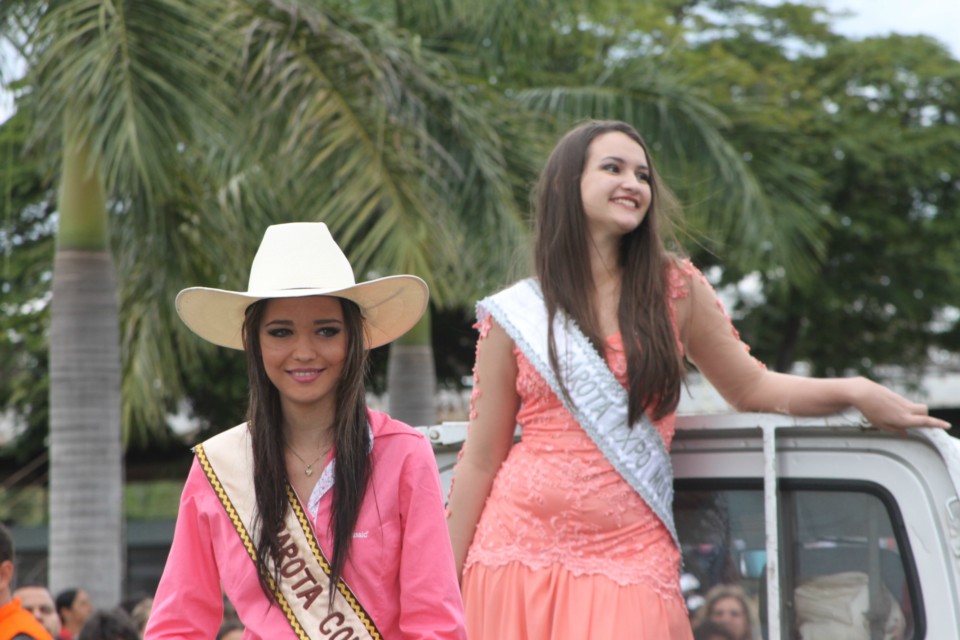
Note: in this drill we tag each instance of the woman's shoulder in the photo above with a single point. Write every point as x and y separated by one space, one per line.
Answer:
239 431
681 275
384 425
398 442
216 452
524 287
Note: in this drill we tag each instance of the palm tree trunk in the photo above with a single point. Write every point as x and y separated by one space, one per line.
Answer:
86 456
412 377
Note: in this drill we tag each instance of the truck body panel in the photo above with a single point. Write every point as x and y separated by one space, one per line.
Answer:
863 526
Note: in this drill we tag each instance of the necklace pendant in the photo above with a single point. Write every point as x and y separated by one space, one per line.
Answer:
308 471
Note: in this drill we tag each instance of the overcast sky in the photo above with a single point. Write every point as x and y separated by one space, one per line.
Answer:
937 18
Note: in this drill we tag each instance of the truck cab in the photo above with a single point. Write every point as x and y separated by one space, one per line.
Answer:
832 529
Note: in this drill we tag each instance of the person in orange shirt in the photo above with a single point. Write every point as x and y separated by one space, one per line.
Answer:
16 623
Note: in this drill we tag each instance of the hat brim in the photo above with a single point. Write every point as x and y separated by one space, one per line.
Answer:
391 306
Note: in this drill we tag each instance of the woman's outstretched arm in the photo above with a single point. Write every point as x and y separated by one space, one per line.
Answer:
713 345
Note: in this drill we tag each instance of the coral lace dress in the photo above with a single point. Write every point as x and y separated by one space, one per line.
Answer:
565 549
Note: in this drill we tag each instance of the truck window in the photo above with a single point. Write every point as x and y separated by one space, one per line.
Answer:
845 572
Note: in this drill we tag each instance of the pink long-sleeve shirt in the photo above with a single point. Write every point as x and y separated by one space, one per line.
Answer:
400 565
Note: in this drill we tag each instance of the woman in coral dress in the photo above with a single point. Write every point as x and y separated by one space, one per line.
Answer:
568 534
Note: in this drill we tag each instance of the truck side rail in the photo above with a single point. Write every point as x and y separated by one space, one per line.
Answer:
448 437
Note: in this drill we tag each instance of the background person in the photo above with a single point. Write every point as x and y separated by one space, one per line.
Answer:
321 491
109 624
230 630
141 613
73 607
710 630
38 601
727 605
15 621
569 533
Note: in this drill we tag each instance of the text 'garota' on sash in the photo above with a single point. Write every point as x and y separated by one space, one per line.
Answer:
304 573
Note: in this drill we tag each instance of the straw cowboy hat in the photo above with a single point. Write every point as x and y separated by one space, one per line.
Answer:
297 260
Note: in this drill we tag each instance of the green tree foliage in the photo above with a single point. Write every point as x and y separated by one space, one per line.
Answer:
338 121
418 150
26 251
880 122
416 128
873 124
550 64
137 103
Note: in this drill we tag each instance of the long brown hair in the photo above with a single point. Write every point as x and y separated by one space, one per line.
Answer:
351 443
561 259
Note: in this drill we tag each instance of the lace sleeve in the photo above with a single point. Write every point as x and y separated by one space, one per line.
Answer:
483 326
712 343
714 346
494 405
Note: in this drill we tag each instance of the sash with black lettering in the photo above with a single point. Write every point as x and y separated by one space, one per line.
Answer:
599 400
227 461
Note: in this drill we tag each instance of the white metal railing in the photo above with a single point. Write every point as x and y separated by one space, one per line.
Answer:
450 434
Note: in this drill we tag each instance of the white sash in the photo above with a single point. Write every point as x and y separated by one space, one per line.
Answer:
600 403
227 461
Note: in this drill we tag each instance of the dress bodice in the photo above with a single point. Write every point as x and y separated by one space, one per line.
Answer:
557 499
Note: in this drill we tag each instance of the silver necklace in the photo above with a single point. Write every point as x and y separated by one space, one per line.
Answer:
308 471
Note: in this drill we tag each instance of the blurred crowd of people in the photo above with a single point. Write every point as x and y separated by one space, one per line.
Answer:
725 612
32 611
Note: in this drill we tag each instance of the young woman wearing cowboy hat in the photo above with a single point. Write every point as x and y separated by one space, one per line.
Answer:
318 517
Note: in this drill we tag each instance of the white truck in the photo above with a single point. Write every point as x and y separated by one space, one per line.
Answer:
834 530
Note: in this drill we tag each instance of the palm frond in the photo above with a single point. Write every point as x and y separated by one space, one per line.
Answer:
728 206
145 75
364 119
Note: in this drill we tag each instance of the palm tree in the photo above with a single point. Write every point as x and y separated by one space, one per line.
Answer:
385 143
135 100
112 115
550 63
184 127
